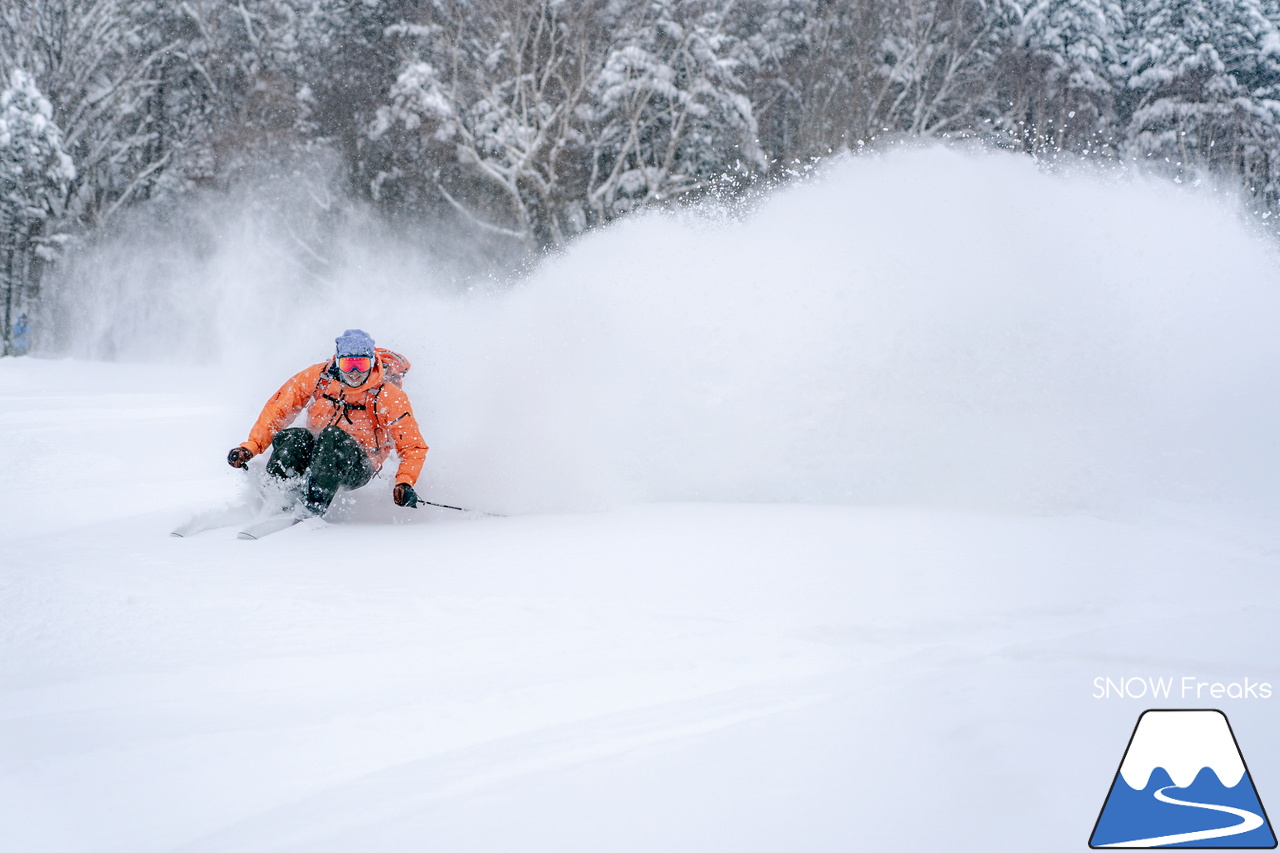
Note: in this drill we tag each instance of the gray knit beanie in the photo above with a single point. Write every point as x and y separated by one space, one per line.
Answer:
355 342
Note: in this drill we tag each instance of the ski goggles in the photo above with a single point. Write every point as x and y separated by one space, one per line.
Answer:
354 363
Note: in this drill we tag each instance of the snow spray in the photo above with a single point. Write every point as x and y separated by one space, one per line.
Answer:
920 327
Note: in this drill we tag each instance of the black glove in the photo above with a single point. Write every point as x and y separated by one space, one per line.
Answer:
239 457
404 495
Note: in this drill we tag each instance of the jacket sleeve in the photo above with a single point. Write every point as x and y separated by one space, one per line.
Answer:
403 428
282 408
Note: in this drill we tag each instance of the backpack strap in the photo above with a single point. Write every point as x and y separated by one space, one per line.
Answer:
373 406
343 409
325 374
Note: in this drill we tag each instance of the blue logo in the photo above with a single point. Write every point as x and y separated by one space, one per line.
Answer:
1183 783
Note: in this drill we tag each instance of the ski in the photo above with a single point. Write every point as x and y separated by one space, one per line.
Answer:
267 526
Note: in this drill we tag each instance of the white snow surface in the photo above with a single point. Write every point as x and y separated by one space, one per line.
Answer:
824 524
1183 743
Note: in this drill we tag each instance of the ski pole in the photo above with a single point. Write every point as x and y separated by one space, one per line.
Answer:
460 508
443 506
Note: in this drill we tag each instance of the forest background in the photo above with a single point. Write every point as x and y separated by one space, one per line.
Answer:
510 127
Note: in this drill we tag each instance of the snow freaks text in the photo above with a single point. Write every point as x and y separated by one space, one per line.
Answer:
1184 687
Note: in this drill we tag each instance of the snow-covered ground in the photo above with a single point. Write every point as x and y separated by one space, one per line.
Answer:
962 516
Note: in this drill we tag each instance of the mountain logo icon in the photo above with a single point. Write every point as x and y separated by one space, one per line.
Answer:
1183 783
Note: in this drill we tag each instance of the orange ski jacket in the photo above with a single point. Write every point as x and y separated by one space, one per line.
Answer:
376 414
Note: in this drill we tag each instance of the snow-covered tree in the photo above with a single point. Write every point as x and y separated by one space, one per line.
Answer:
35 171
488 99
243 79
540 119
938 60
825 58
669 114
1062 76
536 119
865 69
1204 77
773 43
98 62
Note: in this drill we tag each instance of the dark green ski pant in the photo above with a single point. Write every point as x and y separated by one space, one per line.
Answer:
328 461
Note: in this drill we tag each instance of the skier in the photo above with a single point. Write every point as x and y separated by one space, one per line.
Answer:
20 343
356 412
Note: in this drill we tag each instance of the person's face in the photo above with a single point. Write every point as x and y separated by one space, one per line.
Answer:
353 370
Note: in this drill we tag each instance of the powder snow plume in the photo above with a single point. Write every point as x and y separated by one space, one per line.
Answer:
925 326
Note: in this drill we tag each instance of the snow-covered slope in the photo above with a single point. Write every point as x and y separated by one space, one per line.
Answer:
911 669
665 677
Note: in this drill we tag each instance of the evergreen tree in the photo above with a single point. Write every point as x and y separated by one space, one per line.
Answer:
784 53
35 171
1203 77
486 111
1065 74
938 69
669 114
538 120
242 84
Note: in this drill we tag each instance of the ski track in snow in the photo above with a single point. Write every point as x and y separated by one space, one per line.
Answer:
359 806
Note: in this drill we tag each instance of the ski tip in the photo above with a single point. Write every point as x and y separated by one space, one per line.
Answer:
176 534
243 534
